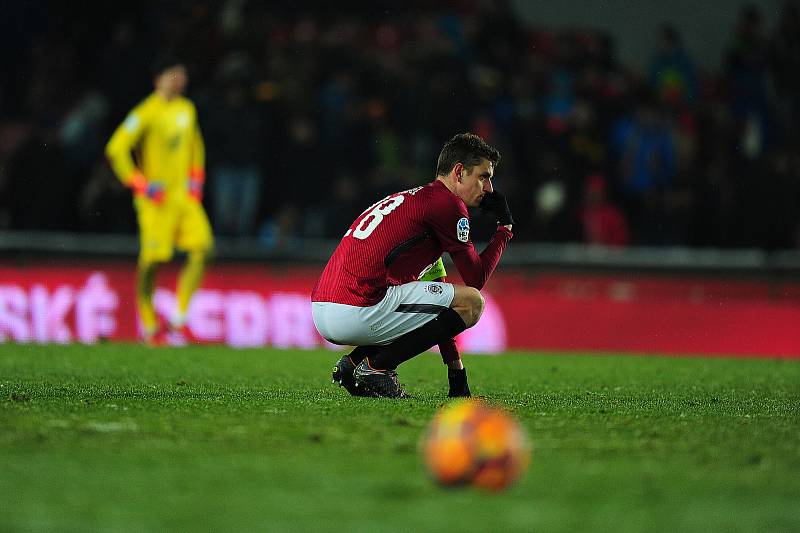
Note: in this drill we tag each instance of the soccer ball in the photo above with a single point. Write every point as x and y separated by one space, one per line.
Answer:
470 442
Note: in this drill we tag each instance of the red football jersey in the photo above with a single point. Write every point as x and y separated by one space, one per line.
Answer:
396 239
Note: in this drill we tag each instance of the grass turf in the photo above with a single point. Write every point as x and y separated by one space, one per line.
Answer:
120 437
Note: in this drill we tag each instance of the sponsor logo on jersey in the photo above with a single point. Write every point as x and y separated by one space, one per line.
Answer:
462 229
434 288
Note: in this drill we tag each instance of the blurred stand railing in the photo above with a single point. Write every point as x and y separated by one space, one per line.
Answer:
21 245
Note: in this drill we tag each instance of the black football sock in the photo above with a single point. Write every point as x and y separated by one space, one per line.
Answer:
360 352
446 325
458 383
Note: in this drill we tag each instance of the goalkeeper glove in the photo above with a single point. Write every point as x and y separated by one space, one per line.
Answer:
141 187
197 178
495 203
458 383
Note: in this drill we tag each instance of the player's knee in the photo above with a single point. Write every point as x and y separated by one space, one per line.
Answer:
480 303
473 306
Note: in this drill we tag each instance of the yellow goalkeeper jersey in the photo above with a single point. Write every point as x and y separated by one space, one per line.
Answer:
161 139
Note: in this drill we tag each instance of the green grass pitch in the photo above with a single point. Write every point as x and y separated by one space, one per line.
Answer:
125 438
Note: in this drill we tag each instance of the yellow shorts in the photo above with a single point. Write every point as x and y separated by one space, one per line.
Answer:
437 271
162 228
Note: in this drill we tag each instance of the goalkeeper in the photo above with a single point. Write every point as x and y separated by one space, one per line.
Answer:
166 179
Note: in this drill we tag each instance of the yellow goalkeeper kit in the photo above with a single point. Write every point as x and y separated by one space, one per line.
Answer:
158 152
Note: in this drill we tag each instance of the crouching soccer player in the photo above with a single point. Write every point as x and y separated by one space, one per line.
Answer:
456 373
370 294
167 186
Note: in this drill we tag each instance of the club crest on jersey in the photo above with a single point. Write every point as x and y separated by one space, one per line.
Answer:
433 288
462 229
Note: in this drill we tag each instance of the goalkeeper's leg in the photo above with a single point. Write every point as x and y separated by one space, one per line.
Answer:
145 287
188 281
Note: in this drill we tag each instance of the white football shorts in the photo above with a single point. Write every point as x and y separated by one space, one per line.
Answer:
403 309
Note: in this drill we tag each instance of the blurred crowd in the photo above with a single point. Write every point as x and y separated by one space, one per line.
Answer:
311 116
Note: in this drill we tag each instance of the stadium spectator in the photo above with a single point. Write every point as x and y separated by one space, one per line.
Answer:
40 202
354 92
672 73
784 63
236 130
646 162
369 294
603 222
746 64
167 185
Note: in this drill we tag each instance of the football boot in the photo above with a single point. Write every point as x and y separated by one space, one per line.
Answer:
377 383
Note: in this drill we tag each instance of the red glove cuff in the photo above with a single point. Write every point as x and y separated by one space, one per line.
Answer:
197 177
197 174
138 183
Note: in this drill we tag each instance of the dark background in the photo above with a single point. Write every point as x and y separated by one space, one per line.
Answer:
312 112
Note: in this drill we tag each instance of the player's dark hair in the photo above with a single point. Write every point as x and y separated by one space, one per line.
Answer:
467 149
164 62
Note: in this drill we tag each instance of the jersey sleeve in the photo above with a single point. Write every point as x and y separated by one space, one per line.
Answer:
450 224
124 139
198 163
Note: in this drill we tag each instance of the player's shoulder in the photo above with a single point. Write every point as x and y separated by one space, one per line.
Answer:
437 189
152 100
186 106
185 101
441 200
146 107
139 115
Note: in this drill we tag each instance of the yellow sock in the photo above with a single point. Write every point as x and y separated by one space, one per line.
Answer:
145 286
188 281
